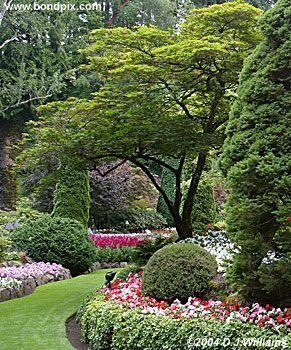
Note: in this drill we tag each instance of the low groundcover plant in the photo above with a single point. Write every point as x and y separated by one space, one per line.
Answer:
124 319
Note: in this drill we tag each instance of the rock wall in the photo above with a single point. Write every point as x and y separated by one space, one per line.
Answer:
29 284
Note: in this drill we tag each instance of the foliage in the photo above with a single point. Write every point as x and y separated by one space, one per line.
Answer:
71 197
131 220
256 160
124 273
117 185
60 240
4 247
128 295
168 184
158 107
204 210
141 254
42 60
22 214
106 325
117 255
178 271
218 244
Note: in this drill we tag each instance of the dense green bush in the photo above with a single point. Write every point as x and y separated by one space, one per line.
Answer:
256 160
55 239
132 220
22 214
141 254
204 210
109 255
108 326
72 197
4 247
123 274
168 184
178 271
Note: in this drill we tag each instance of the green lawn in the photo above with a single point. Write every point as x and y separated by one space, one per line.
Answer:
37 322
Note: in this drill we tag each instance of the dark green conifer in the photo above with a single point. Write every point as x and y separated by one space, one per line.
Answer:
256 160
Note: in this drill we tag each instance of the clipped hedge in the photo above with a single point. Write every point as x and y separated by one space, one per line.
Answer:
178 271
72 196
54 239
130 220
108 326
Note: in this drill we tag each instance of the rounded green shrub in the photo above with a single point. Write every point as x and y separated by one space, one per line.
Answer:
178 271
55 239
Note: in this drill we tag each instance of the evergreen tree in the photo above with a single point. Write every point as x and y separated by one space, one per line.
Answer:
168 184
72 198
256 160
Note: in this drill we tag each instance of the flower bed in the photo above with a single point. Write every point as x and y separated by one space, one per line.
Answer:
123 319
117 240
216 243
19 281
128 294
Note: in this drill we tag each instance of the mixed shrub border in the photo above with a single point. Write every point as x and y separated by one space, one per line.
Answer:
124 319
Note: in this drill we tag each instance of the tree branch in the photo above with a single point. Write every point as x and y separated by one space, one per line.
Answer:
178 192
169 203
8 41
158 161
25 102
111 169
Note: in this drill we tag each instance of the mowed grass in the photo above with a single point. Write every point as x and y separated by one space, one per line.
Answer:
37 321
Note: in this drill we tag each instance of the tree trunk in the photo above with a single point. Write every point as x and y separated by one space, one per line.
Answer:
8 183
185 228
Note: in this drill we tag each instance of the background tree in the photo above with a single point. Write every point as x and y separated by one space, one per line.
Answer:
256 160
166 94
118 187
39 61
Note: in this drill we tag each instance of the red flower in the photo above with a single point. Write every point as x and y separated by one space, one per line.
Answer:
280 319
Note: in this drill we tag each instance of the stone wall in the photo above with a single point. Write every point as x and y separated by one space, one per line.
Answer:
29 284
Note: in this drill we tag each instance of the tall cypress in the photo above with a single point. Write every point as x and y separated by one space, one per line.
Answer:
256 159
72 196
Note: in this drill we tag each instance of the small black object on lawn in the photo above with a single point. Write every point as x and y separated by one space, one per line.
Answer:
109 277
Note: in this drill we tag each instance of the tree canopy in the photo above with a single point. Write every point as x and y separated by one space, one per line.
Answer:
165 94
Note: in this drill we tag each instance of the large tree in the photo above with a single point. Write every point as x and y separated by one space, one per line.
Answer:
39 61
166 95
256 160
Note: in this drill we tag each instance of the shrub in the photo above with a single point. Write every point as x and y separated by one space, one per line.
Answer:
204 210
141 254
168 183
178 271
256 160
55 239
72 197
109 255
4 247
124 273
108 326
132 220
